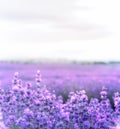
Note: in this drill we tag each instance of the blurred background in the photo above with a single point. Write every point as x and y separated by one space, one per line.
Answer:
74 30
78 31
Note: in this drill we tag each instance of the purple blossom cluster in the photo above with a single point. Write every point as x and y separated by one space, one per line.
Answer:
35 107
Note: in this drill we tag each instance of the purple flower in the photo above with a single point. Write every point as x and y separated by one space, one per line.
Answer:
35 107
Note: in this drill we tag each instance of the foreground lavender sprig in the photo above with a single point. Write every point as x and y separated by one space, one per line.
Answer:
35 107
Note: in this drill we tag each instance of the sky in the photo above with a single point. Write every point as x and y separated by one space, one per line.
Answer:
81 30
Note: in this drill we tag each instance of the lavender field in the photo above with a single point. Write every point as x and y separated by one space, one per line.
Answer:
65 77
60 96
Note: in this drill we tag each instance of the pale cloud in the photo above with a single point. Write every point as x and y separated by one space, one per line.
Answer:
70 29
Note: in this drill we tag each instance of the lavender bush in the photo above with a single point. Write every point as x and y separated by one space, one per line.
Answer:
35 107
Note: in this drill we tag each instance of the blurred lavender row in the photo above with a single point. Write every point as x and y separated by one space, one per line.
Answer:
64 78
